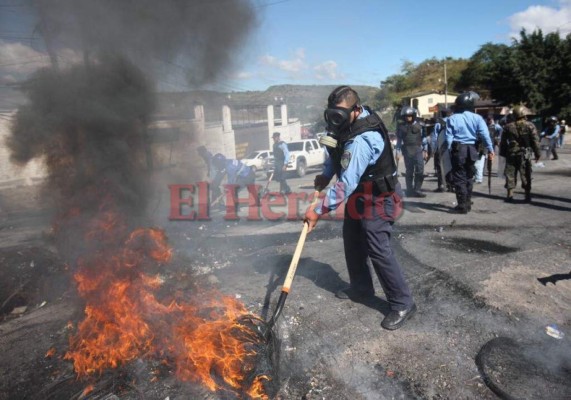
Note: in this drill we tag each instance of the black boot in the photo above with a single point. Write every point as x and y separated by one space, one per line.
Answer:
510 196
528 196
459 209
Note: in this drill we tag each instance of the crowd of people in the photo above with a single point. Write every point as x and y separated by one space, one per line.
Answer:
461 141
362 159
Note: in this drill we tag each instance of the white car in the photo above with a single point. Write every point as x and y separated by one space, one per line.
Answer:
303 154
257 159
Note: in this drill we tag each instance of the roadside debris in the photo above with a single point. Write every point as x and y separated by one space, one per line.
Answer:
554 331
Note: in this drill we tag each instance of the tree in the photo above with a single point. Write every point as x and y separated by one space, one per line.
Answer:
482 70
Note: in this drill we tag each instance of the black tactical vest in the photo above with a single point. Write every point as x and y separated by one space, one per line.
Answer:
383 172
279 156
411 134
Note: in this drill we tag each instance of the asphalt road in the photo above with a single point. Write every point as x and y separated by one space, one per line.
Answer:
474 278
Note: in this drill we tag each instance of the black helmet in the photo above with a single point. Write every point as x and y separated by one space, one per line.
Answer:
466 101
552 120
219 161
408 111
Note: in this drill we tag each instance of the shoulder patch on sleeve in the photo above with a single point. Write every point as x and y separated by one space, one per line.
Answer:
345 159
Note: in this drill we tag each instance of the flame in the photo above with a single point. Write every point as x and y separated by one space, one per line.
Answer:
50 353
125 319
88 389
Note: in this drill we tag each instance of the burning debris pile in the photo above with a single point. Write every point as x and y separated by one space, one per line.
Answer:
88 123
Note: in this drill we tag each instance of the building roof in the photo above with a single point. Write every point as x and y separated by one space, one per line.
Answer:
427 92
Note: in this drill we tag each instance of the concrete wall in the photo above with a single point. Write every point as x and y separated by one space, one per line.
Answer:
12 175
173 144
289 129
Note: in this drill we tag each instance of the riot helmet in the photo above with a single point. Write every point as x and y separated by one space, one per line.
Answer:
219 161
466 101
408 112
552 120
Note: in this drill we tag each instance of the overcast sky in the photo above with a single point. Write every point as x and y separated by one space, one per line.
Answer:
326 41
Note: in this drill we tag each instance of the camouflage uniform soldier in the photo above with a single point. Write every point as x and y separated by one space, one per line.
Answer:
519 144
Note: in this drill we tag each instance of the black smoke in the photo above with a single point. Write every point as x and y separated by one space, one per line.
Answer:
200 36
88 121
88 124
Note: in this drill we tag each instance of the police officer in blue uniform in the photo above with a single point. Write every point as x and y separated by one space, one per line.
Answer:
412 142
236 173
367 182
463 129
281 159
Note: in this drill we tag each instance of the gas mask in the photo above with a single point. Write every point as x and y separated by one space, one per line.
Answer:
329 141
338 119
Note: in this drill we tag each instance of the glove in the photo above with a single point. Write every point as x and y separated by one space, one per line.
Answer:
310 218
321 182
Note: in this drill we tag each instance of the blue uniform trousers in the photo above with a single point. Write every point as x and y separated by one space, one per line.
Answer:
463 157
367 235
280 176
414 164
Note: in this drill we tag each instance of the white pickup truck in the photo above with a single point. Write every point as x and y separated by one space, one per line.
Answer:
303 154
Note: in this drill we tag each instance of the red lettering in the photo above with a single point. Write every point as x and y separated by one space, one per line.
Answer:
293 204
272 199
177 202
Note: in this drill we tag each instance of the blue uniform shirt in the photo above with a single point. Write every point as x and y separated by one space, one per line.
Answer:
466 127
283 147
358 154
497 131
234 169
553 135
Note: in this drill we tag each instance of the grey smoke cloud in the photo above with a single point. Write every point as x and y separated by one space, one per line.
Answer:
202 36
88 121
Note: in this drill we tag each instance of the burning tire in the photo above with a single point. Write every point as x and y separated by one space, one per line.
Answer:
514 370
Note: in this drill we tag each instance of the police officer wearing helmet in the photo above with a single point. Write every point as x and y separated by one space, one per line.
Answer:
519 144
463 129
367 183
411 140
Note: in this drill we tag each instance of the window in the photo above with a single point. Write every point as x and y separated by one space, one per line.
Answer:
430 100
295 146
308 147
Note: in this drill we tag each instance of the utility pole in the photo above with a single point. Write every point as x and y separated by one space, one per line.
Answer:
46 31
445 87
